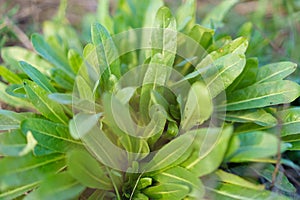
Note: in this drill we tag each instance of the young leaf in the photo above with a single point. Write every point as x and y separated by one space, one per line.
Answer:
39 78
87 170
75 61
47 52
198 107
167 191
49 108
9 76
215 17
203 36
275 71
53 136
180 175
170 152
185 15
164 36
51 188
261 95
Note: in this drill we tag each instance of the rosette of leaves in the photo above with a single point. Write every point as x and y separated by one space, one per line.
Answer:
41 159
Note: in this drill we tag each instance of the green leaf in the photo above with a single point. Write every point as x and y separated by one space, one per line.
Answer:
198 107
75 60
186 15
11 120
275 71
210 153
60 186
47 52
61 98
281 182
247 77
51 135
164 36
12 143
39 98
226 191
295 146
204 36
167 191
260 117
216 15
182 176
39 78
83 89
12 56
233 179
253 145
261 95
223 72
21 171
87 170
17 192
9 76
170 152
289 124
12 100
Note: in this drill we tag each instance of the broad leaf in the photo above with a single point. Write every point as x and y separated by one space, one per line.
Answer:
53 136
51 188
21 171
275 71
261 95
39 98
210 153
87 170
198 107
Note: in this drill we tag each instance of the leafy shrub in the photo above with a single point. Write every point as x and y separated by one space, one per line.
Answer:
167 112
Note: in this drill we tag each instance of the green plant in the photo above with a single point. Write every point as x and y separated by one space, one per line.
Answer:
186 116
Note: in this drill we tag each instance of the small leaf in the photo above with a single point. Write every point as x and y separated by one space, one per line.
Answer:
167 191
185 15
49 108
87 170
170 152
9 76
75 61
261 95
51 188
198 107
47 52
215 17
39 78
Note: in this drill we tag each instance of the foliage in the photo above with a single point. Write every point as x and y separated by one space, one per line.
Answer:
220 138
